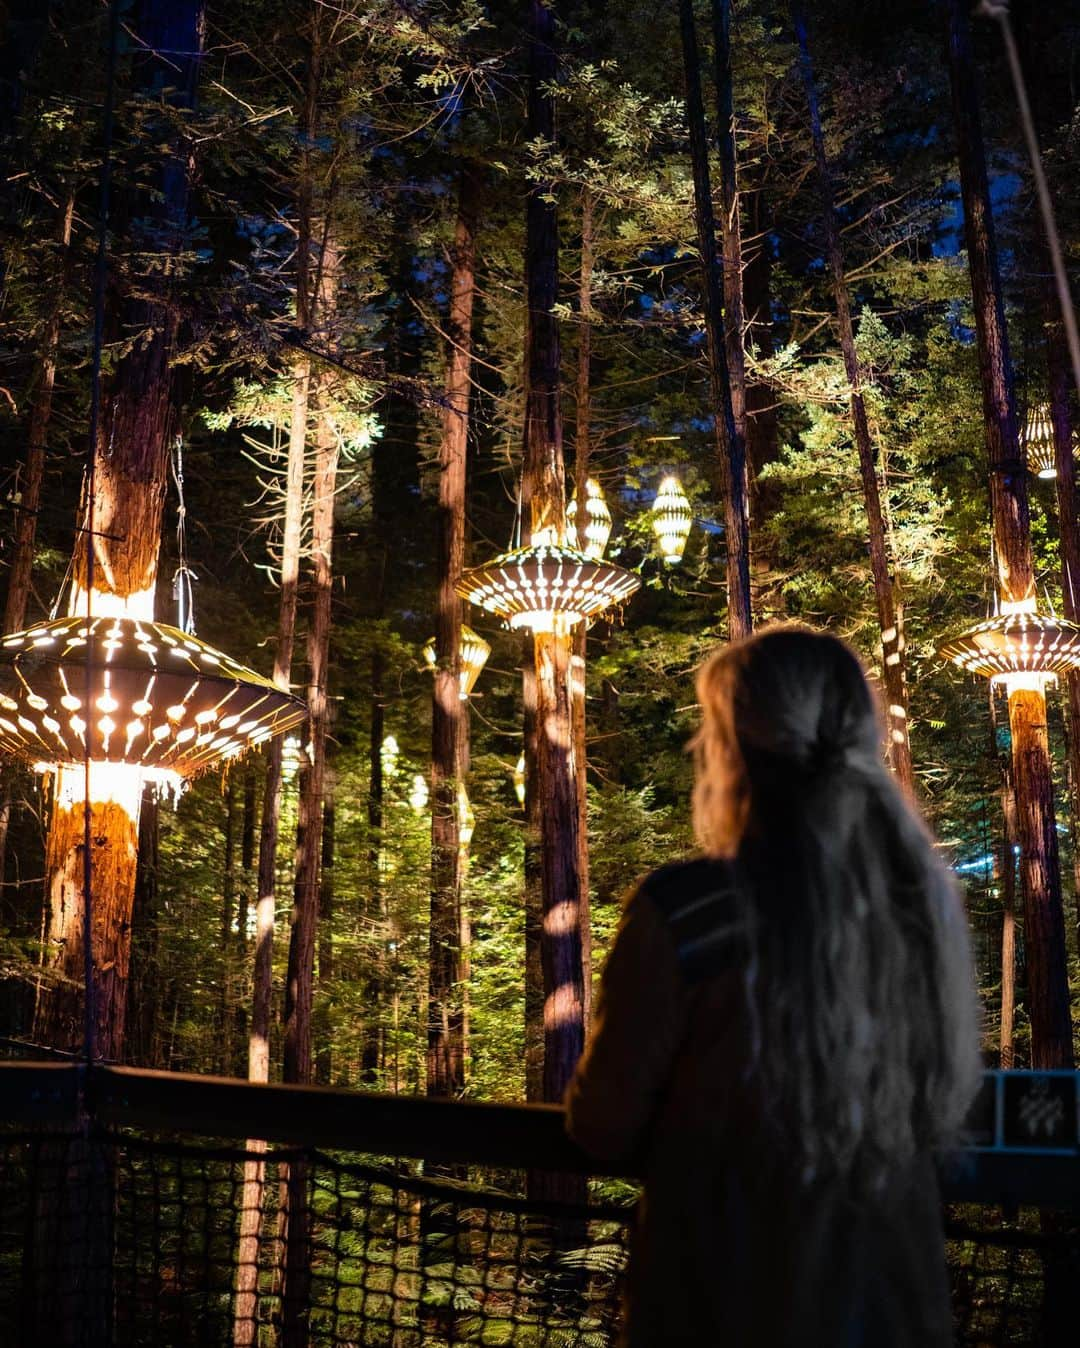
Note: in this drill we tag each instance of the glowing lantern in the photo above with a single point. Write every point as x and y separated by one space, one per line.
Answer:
546 587
597 520
466 818
388 756
671 520
292 753
474 653
1039 442
163 705
418 796
1017 648
519 780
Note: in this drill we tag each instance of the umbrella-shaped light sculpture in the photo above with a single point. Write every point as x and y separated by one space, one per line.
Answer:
144 702
1018 648
547 587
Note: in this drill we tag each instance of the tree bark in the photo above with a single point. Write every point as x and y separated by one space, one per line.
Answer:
579 649
324 1055
299 988
1057 363
123 529
731 447
245 1304
533 886
1040 878
543 483
889 608
446 1047
730 224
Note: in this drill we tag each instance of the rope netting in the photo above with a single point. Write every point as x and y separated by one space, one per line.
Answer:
370 1254
130 1240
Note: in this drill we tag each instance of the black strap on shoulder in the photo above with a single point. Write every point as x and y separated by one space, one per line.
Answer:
698 902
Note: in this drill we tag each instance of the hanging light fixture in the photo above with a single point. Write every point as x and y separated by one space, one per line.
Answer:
418 796
161 702
1017 647
519 780
671 519
597 520
546 587
474 653
388 756
1039 442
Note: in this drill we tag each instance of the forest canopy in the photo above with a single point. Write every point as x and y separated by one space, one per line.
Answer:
384 285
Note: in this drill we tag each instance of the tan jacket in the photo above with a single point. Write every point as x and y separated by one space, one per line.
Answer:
730 1250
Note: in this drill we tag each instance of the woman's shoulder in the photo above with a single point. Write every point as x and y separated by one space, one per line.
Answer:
697 900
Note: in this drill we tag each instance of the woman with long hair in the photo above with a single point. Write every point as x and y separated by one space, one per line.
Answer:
787 1029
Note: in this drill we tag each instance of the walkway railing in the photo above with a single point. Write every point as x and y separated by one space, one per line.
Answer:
134 1211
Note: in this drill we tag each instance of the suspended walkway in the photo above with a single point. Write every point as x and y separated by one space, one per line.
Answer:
135 1211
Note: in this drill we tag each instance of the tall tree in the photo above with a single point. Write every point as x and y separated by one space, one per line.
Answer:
543 495
1036 832
889 609
123 525
731 446
446 1047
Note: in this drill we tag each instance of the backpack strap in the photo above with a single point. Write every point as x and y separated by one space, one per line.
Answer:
698 902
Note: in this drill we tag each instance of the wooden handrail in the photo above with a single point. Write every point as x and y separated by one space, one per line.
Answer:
1028 1150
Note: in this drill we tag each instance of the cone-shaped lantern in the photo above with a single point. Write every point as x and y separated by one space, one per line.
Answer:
597 520
546 587
1018 648
1039 442
671 520
474 653
160 700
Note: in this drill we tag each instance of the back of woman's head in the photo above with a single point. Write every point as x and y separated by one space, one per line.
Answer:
859 979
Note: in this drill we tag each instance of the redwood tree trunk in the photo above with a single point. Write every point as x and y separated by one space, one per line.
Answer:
446 1048
123 523
889 609
1040 878
730 225
1057 362
730 444
579 649
564 902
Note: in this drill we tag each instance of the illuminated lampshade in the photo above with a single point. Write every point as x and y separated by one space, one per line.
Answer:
418 796
546 587
474 653
161 700
597 520
466 820
388 756
671 520
292 753
1018 648
519 780
1039 442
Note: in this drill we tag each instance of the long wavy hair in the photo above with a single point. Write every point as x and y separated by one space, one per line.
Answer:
859 979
